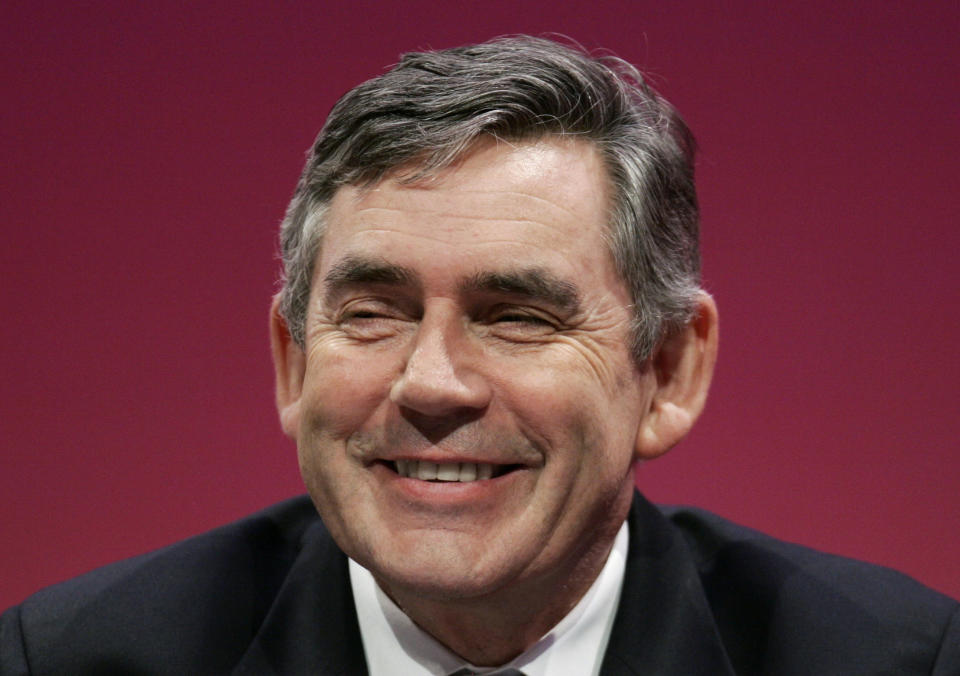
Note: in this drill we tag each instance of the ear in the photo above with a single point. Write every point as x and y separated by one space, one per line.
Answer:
289 363
683 367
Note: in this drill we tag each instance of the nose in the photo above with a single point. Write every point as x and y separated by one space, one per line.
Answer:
440 376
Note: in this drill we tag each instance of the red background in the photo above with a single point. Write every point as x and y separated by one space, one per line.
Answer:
149 151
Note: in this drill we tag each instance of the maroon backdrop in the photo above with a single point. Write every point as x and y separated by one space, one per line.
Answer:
149 151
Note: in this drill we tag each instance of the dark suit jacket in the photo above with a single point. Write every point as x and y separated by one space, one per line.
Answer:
270 595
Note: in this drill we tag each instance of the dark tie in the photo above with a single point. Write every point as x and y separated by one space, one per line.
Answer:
500 672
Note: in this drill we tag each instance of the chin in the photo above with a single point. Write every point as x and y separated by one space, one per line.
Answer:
443 575
439 589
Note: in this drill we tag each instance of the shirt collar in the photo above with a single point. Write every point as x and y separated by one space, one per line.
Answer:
393 644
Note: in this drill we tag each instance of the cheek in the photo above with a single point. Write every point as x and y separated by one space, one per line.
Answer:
569 415
586 419
341 395
341 391
570 378
601 364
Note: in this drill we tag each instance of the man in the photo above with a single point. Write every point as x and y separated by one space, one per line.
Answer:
490 313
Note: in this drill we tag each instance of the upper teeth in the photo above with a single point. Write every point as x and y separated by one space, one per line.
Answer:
444 471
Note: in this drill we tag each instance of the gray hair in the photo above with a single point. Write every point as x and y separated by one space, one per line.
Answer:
432 107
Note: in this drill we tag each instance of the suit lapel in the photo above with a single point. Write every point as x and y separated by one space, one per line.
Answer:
311 628
664 625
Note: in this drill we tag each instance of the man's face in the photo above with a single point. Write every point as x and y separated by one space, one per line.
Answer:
472 325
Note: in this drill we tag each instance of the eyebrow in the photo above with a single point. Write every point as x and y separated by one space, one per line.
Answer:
533 283
364 270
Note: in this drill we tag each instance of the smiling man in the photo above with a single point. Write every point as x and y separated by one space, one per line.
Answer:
466 404
491 311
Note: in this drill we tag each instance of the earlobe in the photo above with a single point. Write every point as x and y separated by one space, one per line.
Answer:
289 363
683 366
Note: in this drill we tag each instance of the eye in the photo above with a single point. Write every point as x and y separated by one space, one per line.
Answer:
362 314
370 320
516 323
516 317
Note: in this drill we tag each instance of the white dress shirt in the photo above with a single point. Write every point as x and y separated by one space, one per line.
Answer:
575 646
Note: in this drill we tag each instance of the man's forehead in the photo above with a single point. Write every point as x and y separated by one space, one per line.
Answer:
501 209
555 178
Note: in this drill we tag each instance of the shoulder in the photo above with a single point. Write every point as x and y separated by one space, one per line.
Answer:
782 601
217 585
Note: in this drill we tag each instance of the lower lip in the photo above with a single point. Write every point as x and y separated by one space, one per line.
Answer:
446 493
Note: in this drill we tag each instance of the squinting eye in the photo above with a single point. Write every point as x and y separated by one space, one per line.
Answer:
367 320
366 311
522 319
520 324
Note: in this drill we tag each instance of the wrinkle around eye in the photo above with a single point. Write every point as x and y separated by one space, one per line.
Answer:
591 352
373 327
371 320
520 327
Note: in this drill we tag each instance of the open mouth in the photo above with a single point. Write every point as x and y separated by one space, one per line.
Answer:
448 471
